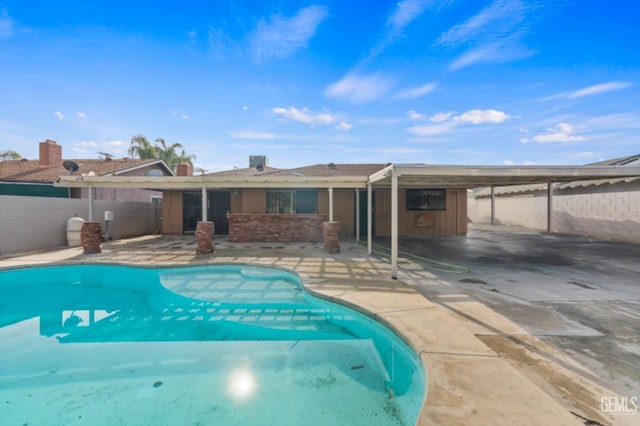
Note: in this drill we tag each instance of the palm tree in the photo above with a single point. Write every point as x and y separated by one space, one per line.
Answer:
141 148
12 155
167 153
183 158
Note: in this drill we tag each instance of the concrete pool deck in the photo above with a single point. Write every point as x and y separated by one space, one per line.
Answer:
485 365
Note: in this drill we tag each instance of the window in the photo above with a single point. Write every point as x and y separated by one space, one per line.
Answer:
426 199
290 201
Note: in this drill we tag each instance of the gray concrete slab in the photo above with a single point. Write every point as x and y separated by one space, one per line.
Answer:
580 296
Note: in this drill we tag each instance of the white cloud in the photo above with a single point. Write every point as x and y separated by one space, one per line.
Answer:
282 36
599 88
343 125
498 19
406 11
358 88
415 115
440 117
115 147
561 132
415 92
250 134
245 108
6 25
506 50
59 115
432 129
479 116
304 115
495 34
81 115
447 122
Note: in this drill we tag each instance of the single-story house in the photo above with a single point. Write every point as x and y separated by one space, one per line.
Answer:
261 203
36 177
275 208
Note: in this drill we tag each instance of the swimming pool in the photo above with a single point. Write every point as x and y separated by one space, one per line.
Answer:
205 345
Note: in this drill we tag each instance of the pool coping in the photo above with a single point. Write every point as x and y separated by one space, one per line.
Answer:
467 382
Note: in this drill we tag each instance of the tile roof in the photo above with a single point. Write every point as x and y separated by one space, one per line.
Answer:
30 170
316 170
331 169
249 171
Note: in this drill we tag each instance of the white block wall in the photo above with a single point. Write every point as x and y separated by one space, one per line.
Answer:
35 223
599 214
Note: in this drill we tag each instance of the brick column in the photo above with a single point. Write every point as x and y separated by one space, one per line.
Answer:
204 237
330 232
91 237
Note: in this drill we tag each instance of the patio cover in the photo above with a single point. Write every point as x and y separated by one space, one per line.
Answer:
393 177
405 176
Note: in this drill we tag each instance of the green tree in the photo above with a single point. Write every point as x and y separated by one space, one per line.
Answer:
10 154
141 148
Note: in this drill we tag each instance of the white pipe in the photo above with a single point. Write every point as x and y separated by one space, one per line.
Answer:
369 219
90 189
549 207
204 204
357 215
330 204
394 225
493 205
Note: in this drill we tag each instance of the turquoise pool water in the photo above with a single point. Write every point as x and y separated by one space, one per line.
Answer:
208 345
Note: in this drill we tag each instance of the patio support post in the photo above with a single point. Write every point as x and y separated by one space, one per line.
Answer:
90 196
369 218
549 207
204 204
330 204
493 205
357 215
394 225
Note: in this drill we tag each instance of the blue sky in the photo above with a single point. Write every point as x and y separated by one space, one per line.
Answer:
439 82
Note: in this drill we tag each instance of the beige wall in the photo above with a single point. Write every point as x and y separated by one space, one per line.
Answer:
426 223
452 221
172 212
599 212
36 223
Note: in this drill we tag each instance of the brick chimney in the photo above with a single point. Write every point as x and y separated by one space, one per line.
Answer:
184 170
50 154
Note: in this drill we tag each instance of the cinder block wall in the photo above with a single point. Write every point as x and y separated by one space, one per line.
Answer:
609 212
36 223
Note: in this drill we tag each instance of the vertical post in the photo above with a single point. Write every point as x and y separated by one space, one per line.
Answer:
493 205
394 225
369 218
357 215
549 207
90 189
204 204
330 204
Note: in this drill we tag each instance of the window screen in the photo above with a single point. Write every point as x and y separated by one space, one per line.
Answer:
426 199
287 201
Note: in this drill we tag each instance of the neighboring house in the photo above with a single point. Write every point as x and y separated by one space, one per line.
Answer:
36 177
262 203
605 208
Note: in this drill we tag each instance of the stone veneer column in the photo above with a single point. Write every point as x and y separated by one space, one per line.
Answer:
330 232
204 237
91 237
